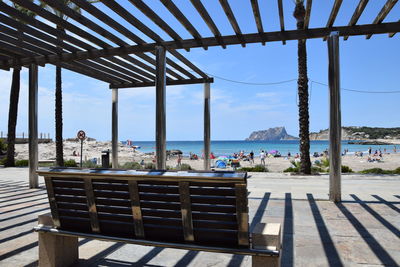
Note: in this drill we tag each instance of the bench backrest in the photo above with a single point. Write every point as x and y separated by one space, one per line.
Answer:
205 208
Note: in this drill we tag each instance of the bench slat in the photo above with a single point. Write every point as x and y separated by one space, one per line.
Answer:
136 210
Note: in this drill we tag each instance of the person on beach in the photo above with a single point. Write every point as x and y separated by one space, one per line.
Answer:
369 151
179 161
262 157
289 155
251 157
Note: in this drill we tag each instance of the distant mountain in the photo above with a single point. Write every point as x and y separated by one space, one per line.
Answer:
272 134
360 133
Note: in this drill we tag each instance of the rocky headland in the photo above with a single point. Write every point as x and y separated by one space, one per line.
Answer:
272 134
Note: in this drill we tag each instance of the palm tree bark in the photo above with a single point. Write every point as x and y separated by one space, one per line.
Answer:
12 117
302 83
58 115
59 120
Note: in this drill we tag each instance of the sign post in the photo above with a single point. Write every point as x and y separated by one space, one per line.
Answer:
81 136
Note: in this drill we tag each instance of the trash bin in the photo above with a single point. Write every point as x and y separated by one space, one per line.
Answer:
105 159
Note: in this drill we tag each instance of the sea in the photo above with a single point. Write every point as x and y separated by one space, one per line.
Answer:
220 148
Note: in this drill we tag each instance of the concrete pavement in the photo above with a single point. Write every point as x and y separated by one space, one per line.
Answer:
363 230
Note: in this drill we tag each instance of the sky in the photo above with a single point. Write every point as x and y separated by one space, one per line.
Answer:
237 108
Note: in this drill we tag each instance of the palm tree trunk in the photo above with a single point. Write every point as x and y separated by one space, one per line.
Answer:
12 117
59 122
58 115
302 83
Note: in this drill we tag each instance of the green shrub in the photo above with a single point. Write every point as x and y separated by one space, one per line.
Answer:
256 168
291 169
89 164
150 166
325 162
397 171
185 167
70 163
3 145
376 171
22 163
346 169
3 161
131 166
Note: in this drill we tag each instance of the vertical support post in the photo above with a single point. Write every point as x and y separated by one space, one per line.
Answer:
33 126
114 129
207 137
335 125
161 152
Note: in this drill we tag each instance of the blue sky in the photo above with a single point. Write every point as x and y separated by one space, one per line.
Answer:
237 109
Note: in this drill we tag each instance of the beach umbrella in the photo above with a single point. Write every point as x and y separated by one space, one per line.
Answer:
273 152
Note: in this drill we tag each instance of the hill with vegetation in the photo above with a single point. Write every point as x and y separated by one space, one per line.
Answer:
360 133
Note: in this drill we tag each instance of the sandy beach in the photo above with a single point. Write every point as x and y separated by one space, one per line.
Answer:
93 149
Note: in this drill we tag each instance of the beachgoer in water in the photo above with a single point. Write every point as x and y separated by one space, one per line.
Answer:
369 151
262 157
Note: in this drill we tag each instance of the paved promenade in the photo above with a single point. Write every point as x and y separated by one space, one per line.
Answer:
363 230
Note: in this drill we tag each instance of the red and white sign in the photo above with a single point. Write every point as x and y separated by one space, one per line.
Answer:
81 135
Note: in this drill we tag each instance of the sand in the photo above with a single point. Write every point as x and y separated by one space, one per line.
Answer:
93 149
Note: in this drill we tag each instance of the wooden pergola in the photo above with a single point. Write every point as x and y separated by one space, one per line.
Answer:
99 53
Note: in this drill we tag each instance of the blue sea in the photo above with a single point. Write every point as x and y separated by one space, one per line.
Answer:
229 147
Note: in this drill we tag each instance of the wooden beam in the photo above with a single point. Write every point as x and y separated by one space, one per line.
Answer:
208 20
383 13
91 204
183 20
242 214
232 20
186 211
210 41
83 34
146 10
257 16
34 23
334 12
77 67
392 33
161 135
335 125
147 31
281 18
169 82
207 127
52 201
136 209
33 126
357 13
308 14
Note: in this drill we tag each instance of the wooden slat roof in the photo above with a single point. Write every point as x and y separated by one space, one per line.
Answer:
110 41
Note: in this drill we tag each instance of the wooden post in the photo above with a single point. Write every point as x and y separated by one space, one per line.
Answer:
161 152
114 129
207 138
335 125
33 126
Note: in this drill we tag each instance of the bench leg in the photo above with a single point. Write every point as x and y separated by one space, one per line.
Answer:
56 250
265 261
266 236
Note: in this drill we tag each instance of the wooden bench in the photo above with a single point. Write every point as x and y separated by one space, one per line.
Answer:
205 211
